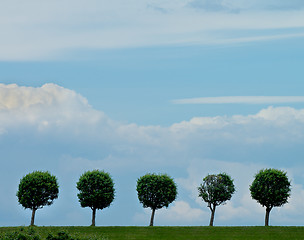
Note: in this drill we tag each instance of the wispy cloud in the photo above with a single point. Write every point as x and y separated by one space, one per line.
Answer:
50 30
241 100
239 5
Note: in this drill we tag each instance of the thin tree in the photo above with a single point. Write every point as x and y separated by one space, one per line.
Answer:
156 191
96 190
36 190
270 188
216 190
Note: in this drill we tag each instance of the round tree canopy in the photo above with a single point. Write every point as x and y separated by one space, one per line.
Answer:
216 189
156 191
271 188
96 189
37 189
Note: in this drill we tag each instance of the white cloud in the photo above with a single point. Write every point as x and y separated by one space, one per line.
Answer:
13 97
45 30
275 125
241 100
178 213
47 108
181 211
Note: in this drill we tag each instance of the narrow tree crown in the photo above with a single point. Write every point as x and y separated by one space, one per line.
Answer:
156 190
96 189
216 189
271 188
37 189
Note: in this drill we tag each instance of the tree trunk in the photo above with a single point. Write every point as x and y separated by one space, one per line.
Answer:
268 209
33 216
212 215
152 217
93 216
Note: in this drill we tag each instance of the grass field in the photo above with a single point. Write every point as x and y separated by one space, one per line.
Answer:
162 233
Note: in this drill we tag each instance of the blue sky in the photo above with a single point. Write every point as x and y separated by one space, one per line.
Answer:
127 88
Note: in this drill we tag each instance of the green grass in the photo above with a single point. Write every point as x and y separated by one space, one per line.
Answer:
162 233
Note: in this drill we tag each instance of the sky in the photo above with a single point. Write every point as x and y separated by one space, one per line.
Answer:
182 87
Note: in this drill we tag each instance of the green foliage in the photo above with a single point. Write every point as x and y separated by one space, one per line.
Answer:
60 236
156 191
271 188
31 234
37 189
22 234
164 233
216 189
96 189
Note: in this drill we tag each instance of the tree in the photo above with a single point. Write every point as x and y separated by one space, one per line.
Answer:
36 190
271 188
216 190
96 190
156 191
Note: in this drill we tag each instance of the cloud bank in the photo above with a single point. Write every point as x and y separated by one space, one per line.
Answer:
54 128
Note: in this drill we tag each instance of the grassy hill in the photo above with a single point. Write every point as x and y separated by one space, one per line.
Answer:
152 233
